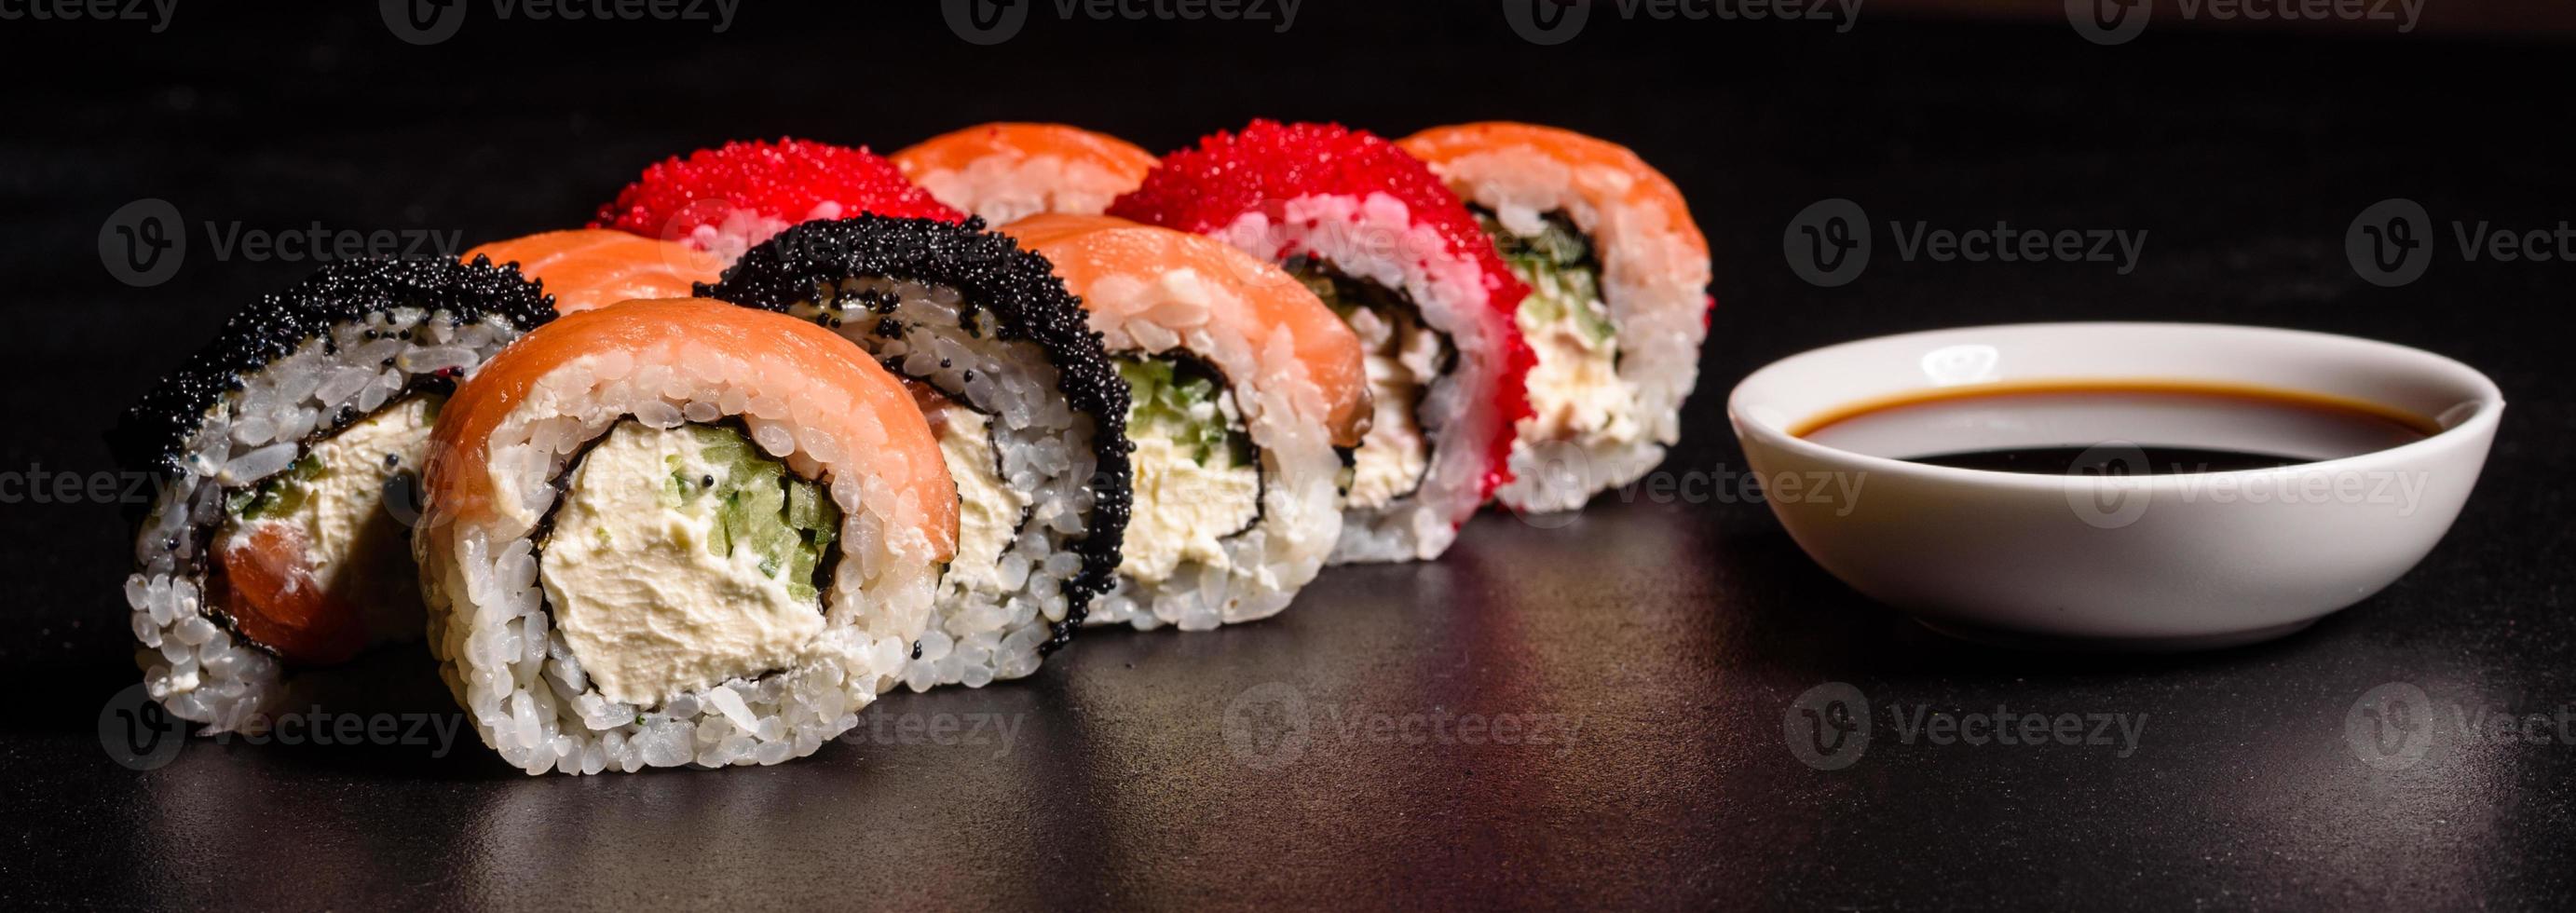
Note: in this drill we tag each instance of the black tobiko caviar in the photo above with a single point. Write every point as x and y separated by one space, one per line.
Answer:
1009 292
151 435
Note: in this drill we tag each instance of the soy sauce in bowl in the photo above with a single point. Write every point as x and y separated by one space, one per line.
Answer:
2171 554
2098 461
2115 427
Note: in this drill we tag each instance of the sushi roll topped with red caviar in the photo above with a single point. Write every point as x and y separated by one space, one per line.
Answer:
1374 234
1618 301
726 199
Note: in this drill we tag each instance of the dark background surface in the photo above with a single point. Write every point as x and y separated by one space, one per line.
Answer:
1659 641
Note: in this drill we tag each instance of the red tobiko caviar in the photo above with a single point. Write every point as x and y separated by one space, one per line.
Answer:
1206 189
747 191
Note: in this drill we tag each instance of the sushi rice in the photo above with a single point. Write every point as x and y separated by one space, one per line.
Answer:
359 349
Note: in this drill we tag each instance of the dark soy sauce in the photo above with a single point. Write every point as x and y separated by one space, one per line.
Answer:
2110 461
2082 427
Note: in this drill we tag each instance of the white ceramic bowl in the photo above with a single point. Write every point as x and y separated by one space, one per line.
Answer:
2177 561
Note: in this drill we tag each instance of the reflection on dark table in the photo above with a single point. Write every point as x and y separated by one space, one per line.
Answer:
1660 643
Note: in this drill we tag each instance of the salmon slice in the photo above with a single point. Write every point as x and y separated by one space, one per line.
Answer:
1623 175
1002 171
864 410
1260 301
958 149
585 268
265 581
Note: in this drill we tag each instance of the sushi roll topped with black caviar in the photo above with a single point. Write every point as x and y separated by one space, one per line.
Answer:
1030 414
279 538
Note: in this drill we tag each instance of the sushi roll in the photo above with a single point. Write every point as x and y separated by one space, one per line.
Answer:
725 200
287 450
1030 415
1618 303
674 532
585 268
1241 383
1003 171
1375 235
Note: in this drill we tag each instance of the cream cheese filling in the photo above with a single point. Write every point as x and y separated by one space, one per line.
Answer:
357 547
989 510
1400 358
651 593
1575 391
1187 503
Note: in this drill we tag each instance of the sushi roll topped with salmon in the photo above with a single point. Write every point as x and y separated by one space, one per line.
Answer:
1375 235
726 199
288 451
677 532
1241 384
1003 171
